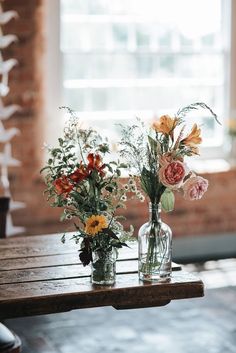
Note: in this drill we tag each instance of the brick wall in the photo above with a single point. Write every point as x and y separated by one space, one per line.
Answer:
214 213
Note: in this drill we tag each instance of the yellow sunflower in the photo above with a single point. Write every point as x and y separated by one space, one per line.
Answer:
95 224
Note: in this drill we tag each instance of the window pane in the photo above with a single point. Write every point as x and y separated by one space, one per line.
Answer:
137 55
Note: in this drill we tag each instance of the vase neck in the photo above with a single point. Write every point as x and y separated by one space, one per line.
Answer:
154 212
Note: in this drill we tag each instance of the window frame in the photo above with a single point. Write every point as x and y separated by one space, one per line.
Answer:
53 87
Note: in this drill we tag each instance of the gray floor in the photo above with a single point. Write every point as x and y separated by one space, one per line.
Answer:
206 325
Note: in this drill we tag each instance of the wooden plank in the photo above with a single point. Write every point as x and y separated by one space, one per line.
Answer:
31 251
56 261
62 272
38 240
49 250
27 252
35 239
30 239
23 299
43 251
40 275
46 247
39 262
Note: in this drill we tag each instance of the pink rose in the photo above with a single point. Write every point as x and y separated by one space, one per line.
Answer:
194 188
172 174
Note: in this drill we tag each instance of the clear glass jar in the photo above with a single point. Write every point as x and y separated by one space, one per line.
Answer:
155 247
104 267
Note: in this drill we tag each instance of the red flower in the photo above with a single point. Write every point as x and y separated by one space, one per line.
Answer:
95 163
79 174
63 185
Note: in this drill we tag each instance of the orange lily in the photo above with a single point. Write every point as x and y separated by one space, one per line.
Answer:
165 125
95 163
63 185
193 138
79 174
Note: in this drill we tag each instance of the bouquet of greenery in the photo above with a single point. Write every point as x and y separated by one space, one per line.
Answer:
88 189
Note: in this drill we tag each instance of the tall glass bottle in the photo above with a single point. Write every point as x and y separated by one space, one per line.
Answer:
155 247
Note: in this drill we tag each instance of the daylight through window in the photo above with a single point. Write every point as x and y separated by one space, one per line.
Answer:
144 57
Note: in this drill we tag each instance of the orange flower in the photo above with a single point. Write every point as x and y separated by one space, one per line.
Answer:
95 163
165 125
63 185
79 174
193 138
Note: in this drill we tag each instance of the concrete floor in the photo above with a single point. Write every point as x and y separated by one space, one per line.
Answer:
205 325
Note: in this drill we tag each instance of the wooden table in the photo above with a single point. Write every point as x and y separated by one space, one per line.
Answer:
40 275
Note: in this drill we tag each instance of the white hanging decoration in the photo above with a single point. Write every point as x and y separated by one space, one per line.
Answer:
5 41
8 111
5 17
6 158
6 66
6 135
4 89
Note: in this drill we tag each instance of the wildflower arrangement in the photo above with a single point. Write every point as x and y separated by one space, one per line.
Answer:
156 157
87 189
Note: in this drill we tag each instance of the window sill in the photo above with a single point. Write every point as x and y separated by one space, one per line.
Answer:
210 165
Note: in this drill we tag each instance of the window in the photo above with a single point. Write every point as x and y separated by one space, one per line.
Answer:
123 58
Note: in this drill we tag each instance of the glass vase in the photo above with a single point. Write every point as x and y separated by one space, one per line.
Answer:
104 267
155 247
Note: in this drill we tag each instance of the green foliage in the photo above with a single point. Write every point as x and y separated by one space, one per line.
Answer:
195 106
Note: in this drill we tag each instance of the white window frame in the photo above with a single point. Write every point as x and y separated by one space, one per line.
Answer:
53 78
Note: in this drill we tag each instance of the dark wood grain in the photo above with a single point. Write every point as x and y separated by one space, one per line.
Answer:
35 298
40 275
59 272
28 251
76 270
48 251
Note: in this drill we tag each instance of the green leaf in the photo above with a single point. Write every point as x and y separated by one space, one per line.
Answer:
109 168
167 200
149 182
118 172
60 140
109 188
110 232
44 168
123 165
152 143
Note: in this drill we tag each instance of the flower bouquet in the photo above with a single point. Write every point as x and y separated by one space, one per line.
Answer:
156 157
88 189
